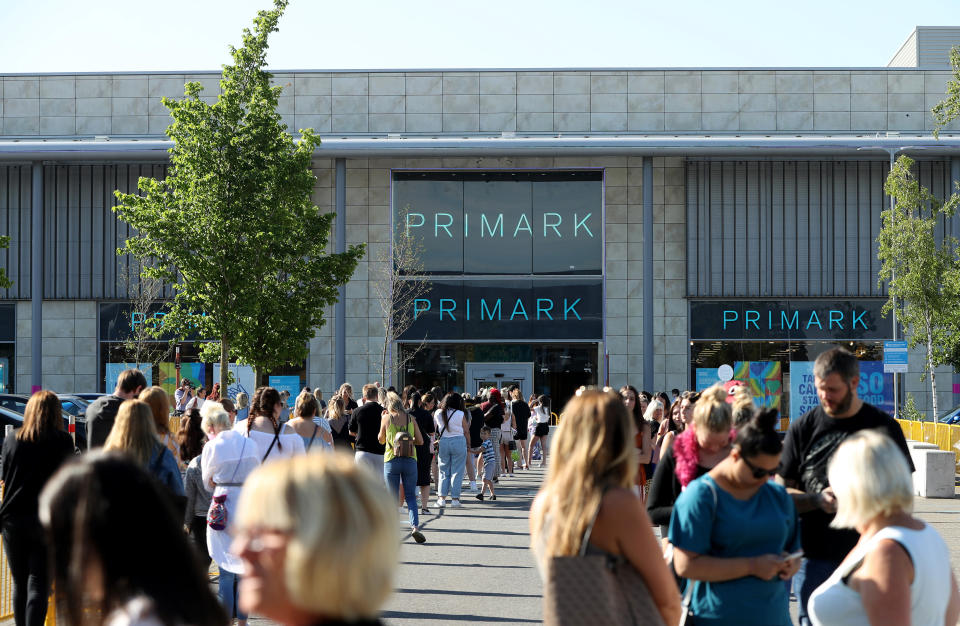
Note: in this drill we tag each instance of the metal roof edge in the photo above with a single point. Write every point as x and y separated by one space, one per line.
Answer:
632 145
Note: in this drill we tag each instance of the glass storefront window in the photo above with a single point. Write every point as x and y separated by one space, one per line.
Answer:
779 374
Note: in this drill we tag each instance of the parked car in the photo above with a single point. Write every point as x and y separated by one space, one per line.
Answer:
14 406
950 417
89 396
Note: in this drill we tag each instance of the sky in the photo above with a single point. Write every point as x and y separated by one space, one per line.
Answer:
186 35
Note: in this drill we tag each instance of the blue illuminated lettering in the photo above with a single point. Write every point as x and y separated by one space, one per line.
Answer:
838 318
412 225
790 323
446 227
814 319
751 319
489 313
545 311
417 309
519 310
523 218
571 308
729 317
554 225
583 223
498 223
858 319
450 310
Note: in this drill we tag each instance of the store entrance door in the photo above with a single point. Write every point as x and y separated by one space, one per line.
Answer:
499 375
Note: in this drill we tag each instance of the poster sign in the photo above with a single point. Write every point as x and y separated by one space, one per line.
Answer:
876 387
114 369
194 372
287 383
895 357
706 377
763 379
244 380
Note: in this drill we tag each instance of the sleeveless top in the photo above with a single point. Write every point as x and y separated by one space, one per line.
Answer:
836 604
391 433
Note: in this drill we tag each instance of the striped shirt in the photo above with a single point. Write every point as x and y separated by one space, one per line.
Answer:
489 456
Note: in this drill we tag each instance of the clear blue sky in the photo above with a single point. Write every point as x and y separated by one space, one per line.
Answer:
181 35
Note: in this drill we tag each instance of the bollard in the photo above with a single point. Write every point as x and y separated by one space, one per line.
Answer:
72 428
8 430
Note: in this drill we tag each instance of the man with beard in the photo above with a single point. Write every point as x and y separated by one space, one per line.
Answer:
807 449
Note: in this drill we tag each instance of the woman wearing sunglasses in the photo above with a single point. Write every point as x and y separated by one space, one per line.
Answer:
734 533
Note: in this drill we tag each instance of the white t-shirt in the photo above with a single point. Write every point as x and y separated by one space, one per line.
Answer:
835 604
454 427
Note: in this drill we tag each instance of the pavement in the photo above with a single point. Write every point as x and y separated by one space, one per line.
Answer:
476 566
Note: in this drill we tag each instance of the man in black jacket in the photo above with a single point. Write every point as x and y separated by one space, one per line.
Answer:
365 426
103 410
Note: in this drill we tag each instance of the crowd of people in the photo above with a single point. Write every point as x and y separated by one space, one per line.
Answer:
297 507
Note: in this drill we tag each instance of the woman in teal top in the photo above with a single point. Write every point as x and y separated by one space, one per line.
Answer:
733 530
401 468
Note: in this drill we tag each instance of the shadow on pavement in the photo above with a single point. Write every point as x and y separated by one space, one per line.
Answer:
466 565
457 592
450 617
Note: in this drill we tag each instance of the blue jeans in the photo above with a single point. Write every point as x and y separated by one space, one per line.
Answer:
812 574
452 459
228 592
403 468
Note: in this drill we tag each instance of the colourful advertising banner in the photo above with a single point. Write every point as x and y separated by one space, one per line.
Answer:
763 379
114 369
287 383
875 387
194 372
244 380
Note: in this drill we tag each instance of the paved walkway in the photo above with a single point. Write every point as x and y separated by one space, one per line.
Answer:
476 565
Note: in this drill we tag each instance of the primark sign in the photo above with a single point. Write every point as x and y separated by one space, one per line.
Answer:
790 319
503 222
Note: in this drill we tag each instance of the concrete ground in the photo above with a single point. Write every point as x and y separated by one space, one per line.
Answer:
476 565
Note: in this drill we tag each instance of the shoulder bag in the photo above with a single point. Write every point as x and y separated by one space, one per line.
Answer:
403 441
590 589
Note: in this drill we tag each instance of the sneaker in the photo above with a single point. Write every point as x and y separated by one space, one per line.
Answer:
441 502
479 497
418 536
512 476
455 503
424 511
495 479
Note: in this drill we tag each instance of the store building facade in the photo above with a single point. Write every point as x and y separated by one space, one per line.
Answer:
579 227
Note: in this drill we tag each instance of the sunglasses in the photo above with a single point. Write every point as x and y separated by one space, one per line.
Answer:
759 472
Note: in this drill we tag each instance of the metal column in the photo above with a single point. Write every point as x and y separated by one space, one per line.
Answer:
648 273
36 278
340 310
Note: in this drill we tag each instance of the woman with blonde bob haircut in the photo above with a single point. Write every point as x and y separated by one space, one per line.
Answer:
590 486
317 537
899 572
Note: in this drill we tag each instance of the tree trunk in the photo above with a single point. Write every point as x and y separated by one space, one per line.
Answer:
383 358
224 366
930 368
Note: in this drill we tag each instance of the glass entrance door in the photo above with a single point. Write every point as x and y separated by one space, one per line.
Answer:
499 375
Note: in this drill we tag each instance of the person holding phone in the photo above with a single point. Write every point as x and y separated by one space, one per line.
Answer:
735 532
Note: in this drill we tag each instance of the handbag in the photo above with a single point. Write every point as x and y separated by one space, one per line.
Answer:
590 589
217 513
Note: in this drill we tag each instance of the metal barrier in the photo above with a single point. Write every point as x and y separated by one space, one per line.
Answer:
944 436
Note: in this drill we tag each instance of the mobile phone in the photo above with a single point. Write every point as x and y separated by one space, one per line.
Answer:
794 555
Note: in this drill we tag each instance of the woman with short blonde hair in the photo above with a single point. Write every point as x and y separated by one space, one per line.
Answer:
899 572
134 433
589 497
322 528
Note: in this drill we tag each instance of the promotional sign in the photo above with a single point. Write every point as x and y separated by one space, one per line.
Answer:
510 222
763 379
114 369
789 319
706 377
895 357
290 384
566 308
875 387
244 380
194 372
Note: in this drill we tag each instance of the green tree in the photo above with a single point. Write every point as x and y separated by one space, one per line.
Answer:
5 282
948 109
922 274
232 227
